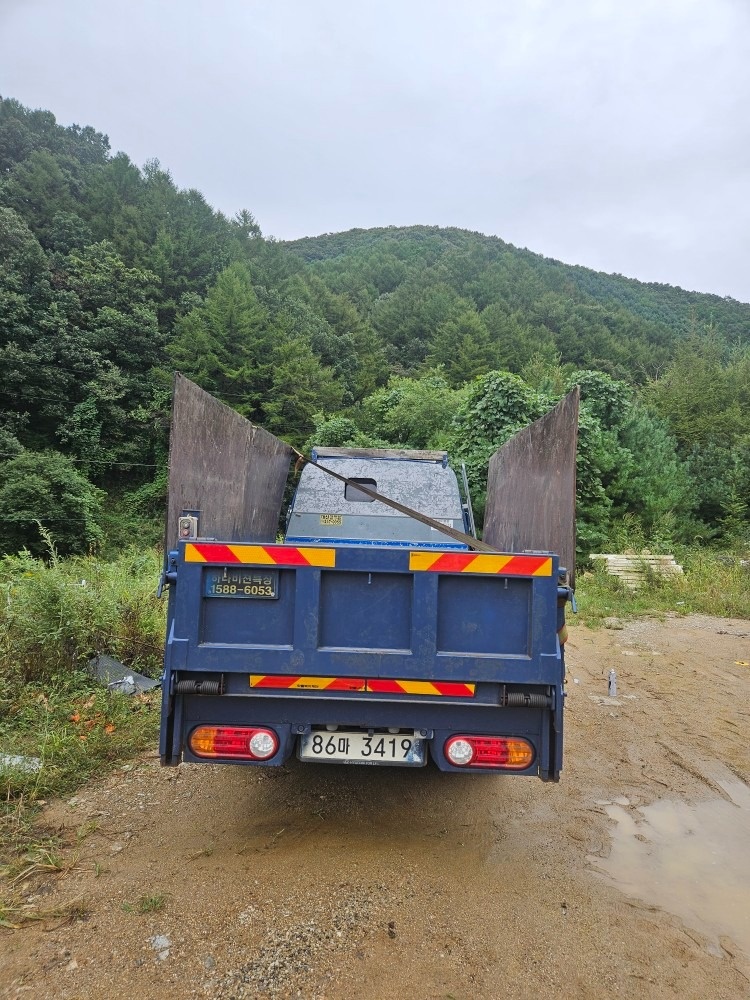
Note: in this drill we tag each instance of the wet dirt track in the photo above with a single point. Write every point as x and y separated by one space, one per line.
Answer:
628 879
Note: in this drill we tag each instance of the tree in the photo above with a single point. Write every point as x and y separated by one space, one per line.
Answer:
628 465
463 347
225 344
493 408
45 488
407 318
412 412
300 388
39 188
340 432
516 340
339 334
656 484
704 398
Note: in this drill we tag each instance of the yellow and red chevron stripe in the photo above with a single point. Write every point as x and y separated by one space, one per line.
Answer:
371 685
479 562
259 555
450 688
307 683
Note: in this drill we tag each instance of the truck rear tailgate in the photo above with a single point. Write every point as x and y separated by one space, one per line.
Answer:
284 618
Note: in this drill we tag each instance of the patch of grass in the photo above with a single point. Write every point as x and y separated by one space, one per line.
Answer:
75 729
76 732
714 583
64 727
15 914
86 829
57 614
41 859
21 839
146 904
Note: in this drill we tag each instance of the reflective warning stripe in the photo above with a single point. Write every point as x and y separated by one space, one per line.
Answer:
308 683
422 561
482 562
259 555
450 689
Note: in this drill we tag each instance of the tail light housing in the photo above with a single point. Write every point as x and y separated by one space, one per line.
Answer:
234 742
505 753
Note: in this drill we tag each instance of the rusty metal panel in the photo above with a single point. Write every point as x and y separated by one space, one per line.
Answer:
531 487
222 465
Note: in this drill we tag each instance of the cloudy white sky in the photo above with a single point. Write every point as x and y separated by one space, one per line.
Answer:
610 133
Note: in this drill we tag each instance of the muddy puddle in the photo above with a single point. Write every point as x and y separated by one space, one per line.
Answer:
690 860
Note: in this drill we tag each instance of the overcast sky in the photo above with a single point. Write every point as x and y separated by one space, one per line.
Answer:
610 133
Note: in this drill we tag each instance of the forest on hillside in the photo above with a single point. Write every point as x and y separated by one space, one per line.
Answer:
111 278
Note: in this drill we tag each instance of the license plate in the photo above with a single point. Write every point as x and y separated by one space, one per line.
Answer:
359 748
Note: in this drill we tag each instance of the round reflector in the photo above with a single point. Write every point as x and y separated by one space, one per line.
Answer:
459 751
263 744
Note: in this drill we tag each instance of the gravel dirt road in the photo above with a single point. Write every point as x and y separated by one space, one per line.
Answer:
631 878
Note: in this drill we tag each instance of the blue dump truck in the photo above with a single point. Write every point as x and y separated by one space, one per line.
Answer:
381 630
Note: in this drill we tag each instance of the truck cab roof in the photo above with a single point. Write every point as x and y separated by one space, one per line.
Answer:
325 509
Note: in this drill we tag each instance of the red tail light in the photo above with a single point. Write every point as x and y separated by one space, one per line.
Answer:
236 742
507 753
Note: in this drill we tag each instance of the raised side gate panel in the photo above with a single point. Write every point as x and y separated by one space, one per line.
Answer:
531 487
222 465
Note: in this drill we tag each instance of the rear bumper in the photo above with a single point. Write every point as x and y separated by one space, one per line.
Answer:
292 716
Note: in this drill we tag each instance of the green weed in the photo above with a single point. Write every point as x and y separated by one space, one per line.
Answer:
40 860
14 914
20 837
86 829
57 614
713 583
77 732
146 904
54 616
75 729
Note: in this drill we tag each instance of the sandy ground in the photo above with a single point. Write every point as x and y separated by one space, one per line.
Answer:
628 879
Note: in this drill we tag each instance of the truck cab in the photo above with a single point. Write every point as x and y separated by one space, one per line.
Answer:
325 509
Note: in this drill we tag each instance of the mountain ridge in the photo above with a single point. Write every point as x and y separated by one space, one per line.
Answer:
332 245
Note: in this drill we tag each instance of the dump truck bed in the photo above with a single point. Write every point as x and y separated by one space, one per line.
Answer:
383 631
377 638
